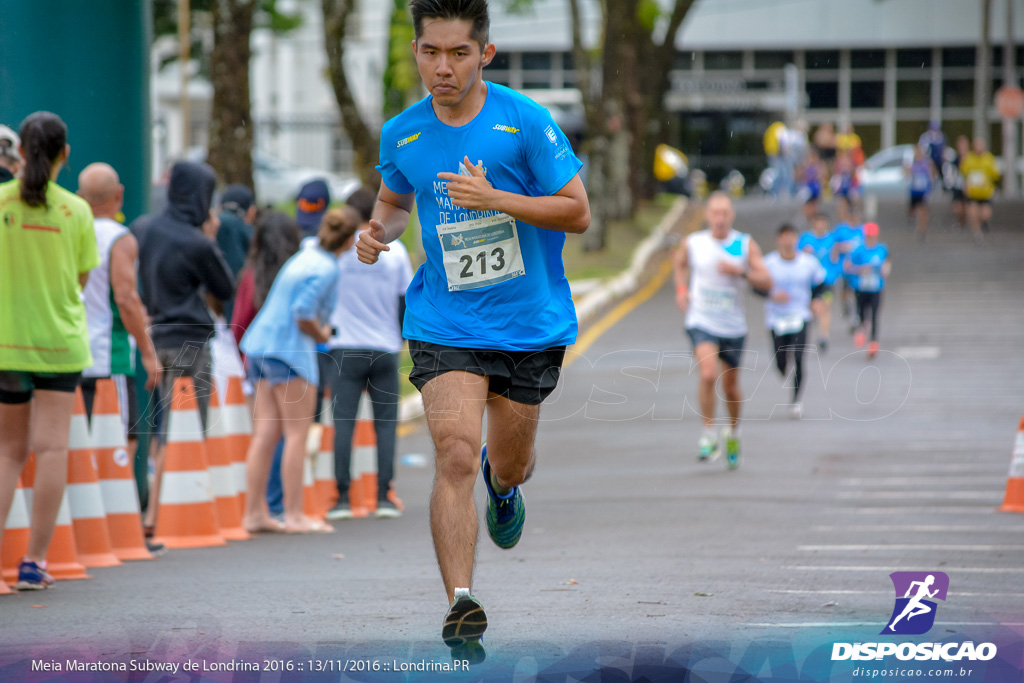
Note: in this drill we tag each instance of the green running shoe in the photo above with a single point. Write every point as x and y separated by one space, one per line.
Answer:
505 514
464 626
732 450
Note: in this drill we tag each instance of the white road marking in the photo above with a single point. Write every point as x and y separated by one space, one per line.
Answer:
995 480
828 624
919 352
956 495
912 546
917 528
888 569
799 591
922 510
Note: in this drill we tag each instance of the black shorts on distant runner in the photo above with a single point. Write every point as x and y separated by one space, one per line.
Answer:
17 387
526 377
730 349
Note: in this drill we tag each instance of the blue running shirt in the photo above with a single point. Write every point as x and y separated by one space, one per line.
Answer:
489 282
875 257
821 247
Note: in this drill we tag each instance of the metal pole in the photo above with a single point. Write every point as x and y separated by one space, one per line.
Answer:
184 55
982 72
1011 188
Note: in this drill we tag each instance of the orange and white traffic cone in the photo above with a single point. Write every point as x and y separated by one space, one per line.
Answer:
223 486
364 461
187 516
234 414
117 477
311 506
85 498
15 540
1014 500
323 470
62 556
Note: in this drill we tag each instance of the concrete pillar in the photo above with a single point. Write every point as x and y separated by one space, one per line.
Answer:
87 62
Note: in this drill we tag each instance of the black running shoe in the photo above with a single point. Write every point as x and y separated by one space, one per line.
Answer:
464 626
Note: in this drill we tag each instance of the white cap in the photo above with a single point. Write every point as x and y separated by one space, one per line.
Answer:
9 143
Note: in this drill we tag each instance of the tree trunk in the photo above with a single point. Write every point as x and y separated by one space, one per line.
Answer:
652 122
365 142
231 135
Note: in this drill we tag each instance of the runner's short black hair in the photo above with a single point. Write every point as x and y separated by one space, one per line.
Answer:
474 11
786 227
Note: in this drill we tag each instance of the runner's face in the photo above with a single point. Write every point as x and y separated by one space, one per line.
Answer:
786 243
719 215
450 60
820 227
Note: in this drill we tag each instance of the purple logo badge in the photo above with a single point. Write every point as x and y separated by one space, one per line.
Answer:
914 611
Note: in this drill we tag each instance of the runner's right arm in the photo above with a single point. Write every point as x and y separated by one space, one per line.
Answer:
391 216
681 268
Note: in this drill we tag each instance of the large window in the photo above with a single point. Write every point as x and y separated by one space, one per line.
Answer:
911 94
867 59
957 93
723 61
536 69
822 95
822 59
867 94
772 60
909 132
958 56
914 59
684 60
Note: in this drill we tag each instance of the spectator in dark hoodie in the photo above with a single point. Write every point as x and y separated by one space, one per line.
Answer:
237 214
181 270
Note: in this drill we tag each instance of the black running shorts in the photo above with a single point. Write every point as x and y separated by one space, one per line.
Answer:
522 376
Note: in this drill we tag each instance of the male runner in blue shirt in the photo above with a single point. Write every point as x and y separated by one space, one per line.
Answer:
489 314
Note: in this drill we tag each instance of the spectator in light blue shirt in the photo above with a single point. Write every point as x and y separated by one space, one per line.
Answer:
282 362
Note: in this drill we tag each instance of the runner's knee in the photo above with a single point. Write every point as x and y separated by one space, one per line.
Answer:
457 458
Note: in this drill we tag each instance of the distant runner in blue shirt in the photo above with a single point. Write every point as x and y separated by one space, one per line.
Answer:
920 174
821 243
847 236
496 187
868 267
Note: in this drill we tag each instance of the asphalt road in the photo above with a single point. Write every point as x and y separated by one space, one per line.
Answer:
634 553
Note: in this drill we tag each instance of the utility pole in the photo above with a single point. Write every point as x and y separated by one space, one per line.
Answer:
184 55
982 73
1011 187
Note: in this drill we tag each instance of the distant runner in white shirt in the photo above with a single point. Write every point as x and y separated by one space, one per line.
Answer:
710 269
797 278
365 349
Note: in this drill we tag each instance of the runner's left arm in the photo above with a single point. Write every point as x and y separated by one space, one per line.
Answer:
568 210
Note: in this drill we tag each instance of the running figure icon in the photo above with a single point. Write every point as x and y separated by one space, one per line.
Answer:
915 607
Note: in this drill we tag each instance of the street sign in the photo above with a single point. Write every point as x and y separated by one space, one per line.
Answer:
1010 102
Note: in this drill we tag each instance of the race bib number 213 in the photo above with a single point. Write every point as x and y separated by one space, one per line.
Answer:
480 252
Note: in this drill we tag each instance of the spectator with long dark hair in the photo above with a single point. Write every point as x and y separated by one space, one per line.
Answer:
47 248
275 239
280 346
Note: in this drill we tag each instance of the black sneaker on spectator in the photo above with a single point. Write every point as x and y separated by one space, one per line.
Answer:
385 508
155 549
341 510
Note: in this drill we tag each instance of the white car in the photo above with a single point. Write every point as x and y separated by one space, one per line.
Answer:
277 181
884 174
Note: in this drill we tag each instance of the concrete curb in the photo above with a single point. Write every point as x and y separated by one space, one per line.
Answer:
597 297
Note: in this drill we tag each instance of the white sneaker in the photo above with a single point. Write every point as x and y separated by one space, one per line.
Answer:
707 449
797 411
